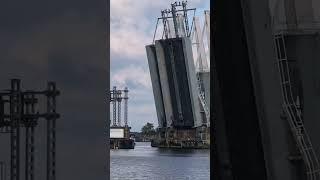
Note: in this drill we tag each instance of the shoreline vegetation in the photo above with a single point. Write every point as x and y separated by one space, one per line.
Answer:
146 134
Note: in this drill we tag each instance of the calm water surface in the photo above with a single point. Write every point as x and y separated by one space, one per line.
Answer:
146 162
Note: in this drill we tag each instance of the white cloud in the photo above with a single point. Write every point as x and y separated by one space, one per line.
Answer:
133 24
131 74
145 110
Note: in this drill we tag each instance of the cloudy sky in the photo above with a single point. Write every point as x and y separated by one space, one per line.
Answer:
132 27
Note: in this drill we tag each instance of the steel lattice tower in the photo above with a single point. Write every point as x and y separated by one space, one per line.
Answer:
125 118
119 98
15 113
114 108
23 114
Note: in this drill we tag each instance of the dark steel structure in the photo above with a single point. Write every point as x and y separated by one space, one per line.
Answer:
172 13
3 174
22 114
266 90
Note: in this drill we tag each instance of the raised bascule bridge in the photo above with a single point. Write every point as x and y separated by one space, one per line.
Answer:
179 68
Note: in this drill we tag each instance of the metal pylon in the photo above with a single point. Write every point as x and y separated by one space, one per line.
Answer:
114 106
30 124
51 131
125 117
119 98
3 127
15 113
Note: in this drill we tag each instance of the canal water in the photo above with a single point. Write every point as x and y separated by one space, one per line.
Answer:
148 163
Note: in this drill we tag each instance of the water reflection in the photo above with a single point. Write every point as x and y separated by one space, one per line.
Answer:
145 162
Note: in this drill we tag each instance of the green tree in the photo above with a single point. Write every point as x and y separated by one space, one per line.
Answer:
148 130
